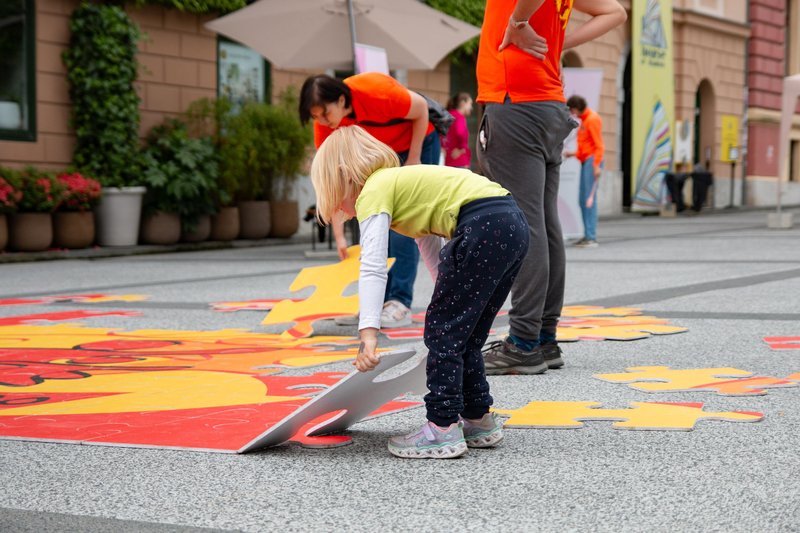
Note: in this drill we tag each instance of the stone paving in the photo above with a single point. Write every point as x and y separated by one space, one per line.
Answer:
724 276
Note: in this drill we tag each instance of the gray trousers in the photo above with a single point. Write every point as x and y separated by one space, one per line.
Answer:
519 147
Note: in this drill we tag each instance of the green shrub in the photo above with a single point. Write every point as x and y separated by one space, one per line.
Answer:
208 118
101 69
264 146
180 173
198 6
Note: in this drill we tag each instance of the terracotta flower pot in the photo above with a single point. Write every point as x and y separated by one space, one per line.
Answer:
255 220
3 231
225 224
31 232
73 229
201 231
285 219
160 228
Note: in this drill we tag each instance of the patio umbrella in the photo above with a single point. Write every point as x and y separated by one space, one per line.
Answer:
316 34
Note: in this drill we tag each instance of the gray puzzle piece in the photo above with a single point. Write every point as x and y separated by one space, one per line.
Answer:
356 395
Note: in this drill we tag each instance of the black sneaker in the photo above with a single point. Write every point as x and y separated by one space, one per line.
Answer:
551 352
505 357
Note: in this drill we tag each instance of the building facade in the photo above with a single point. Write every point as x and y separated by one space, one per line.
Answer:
178 64
730 57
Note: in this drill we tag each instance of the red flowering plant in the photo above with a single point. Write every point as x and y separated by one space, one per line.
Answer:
10 194
41 192
79 192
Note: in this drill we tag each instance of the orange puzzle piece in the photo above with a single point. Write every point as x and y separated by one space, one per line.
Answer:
665 379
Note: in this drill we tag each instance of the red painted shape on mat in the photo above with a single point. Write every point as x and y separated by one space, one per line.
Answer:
222 428
751 385
697 405
21 367
783 343
11 400
61 316
213 428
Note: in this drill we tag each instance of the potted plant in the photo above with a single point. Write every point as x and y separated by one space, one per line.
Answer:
296 155
180 174
31 228
263 144
101 70
73 221
207 118
9 197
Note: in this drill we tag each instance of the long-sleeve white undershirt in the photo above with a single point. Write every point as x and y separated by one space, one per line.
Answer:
374 254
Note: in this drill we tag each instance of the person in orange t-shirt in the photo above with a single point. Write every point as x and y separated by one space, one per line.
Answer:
590 153
397 117
520 141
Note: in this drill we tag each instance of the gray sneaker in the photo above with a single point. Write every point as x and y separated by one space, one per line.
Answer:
551 353
430 442
483 433
504 357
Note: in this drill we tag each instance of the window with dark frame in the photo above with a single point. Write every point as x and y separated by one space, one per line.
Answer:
17 70
242 74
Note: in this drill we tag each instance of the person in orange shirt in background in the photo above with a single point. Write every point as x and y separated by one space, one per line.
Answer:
520 141
590 153
397 117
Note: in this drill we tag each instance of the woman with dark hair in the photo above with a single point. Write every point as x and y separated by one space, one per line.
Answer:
397 117
456 143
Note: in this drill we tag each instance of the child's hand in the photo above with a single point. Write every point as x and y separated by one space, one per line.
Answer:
367 359
341 248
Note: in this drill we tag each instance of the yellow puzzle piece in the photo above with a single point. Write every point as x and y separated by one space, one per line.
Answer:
593 310
666 379
622 329
326 301
641 415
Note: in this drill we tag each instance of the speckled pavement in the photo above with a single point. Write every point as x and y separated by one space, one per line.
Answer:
725 276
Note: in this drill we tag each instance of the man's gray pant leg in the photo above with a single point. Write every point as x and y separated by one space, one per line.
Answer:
509 153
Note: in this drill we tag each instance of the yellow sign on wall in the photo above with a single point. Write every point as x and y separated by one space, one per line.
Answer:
730 139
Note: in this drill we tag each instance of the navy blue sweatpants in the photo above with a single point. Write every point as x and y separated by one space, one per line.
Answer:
476 270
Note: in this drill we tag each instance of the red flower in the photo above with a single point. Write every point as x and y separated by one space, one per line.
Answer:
80 194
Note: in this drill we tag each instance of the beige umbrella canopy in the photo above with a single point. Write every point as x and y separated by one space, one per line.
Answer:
316 33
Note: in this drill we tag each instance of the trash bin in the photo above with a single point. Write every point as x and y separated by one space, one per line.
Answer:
675 182
702 179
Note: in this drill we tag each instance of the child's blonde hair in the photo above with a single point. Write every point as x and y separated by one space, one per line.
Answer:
343 163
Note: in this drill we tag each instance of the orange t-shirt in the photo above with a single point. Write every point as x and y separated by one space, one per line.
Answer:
376 98
590 138
514 72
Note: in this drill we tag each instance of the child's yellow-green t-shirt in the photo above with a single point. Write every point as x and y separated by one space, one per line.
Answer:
423 199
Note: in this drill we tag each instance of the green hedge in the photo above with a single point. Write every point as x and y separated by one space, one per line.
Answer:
197 6
101 69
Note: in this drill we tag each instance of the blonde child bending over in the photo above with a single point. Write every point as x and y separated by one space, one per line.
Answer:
473 271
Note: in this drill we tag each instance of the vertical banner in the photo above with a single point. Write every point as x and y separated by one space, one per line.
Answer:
653 102
585 82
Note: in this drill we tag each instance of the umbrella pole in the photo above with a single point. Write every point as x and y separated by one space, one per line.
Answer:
352 33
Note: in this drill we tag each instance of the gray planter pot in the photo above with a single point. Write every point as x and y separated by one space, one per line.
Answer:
118 216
